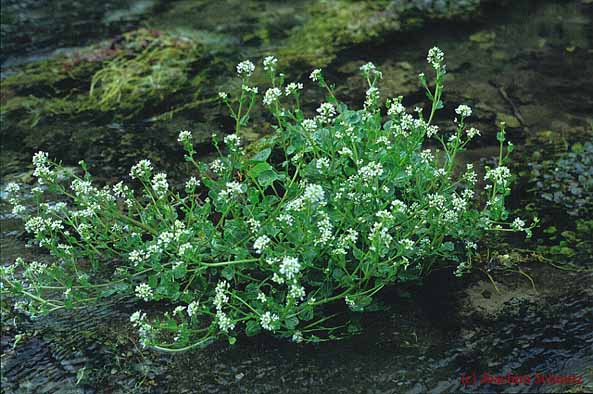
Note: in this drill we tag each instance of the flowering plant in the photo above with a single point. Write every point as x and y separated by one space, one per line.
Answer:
334 208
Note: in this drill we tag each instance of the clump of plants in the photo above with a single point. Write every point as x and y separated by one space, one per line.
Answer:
135 73
566 182
564 185
293 240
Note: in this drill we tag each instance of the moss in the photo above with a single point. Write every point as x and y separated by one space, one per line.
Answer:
333 25
485 39
157 67
510 120
135 73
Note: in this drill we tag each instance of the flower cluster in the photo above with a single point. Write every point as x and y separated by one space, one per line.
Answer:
245 68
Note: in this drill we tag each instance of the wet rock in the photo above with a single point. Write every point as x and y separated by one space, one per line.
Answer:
485 39
41 26
399 79
510 120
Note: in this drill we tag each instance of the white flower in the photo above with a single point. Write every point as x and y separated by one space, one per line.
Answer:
518 224
138 256
368 68
385 215
270 63
224 322
297 337
137 317
35 225
185 137
178 310
12 188
426 156
296 292
40 159
314 194
289 267
499 175
144 291
309 125
35 268
396 108
380 233
325 230
277 279
260 244
271 96
223 95
432 130
191 184
350 302
81 187
286 219
249 89
472 132
18 210
245 68
371 170
233 141
160 184
120 190
141 170
254 225
261 297
345 151
471 245
292 88
315 75
322 163
184 248
435 57
220 298
326 111
233 188
352 235
42 170
436 200
192 308
407 244
372 96
463 110
165 238
268 321
217 166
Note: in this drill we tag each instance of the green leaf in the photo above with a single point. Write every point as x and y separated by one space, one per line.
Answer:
292 323
253 195
179 271
266 178
447 247
258 169
354 327
307 313
262 155
252 328
232 340
228 272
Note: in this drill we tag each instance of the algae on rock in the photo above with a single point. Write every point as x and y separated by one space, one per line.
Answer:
134 73
333 25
